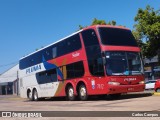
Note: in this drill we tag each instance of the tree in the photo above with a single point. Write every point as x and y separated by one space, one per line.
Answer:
147 31
141 44
99 22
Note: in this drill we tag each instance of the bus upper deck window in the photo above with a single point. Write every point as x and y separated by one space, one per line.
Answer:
54 52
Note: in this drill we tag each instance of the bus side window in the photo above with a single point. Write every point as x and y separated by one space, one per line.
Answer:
54 75
73 70
54 52
47 76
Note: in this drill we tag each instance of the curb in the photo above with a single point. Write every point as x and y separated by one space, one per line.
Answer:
157 93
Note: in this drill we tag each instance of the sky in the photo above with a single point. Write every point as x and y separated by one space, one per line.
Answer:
27 25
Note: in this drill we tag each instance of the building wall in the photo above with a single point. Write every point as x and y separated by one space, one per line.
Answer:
16 87
9 88
9 81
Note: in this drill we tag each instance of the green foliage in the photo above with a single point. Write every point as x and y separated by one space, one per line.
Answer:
112 23
80 27
147 30
99 22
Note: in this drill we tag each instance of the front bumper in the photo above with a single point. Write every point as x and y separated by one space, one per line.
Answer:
113 89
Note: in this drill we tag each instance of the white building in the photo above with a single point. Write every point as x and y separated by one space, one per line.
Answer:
9 81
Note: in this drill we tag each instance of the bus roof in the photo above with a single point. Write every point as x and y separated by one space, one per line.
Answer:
89 27
109 26
51 44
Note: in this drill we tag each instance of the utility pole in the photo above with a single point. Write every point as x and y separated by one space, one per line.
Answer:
17 83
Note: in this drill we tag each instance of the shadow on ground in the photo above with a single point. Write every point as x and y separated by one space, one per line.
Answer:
101 97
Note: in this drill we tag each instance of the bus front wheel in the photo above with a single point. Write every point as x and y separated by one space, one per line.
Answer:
82 92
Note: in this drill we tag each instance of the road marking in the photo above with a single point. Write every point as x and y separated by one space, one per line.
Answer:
157 93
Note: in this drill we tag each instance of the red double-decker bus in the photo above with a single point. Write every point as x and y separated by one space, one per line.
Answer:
97 60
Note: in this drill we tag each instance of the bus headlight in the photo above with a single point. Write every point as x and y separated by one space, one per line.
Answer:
141 82
113 83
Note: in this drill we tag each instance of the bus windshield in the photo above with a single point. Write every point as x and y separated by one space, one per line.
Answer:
123 63
117 37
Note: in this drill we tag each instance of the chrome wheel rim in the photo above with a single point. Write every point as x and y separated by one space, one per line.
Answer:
70 92
30 95
83 92
35 95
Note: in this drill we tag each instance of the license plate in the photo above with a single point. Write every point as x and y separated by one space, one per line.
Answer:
130 89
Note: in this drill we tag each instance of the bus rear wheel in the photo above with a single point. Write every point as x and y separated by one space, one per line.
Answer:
35 95
82 92
70 93
30 97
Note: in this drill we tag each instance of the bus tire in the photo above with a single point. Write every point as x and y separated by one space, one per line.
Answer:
30 95
35 95
82 92
70 93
